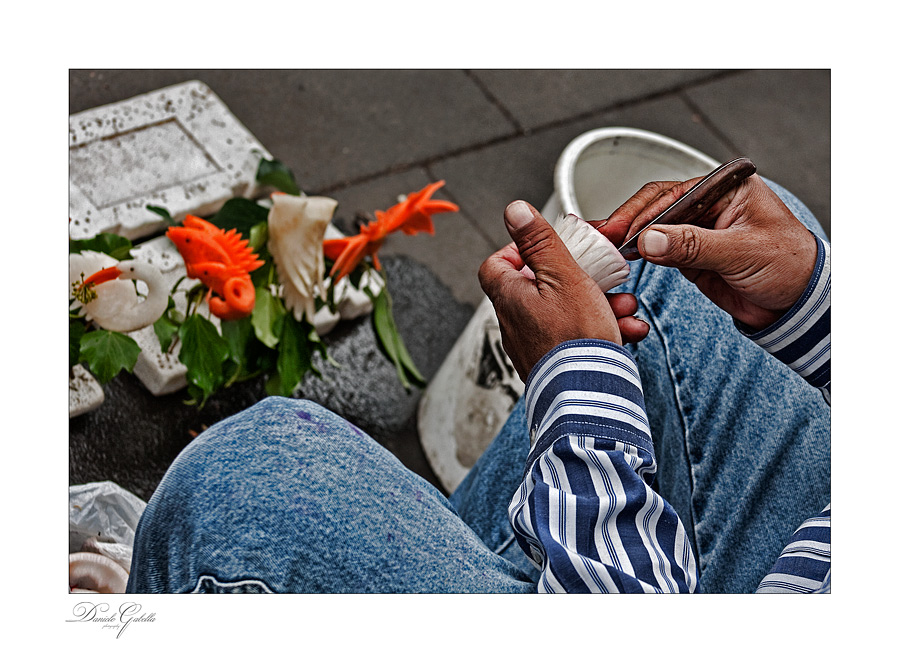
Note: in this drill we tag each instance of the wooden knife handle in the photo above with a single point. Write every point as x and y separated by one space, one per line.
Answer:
699 198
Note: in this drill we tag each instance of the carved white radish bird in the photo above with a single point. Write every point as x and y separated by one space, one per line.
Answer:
113 303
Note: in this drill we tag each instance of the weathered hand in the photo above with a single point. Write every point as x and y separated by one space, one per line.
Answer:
543 298
754 262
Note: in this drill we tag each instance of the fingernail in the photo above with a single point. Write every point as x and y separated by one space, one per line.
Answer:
518 214
655 243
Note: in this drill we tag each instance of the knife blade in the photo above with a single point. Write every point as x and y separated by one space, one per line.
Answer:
696 201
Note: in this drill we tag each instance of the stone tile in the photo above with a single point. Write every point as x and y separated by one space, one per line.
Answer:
334 127
179 148
782 120
537 97
484 181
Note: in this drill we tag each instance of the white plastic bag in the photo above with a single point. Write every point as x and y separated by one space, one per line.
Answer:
103 518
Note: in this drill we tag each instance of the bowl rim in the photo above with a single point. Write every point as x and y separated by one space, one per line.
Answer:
563 174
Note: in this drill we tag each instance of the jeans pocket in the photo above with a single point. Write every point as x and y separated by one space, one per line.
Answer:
211 585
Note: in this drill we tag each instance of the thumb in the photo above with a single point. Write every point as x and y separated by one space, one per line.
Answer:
687 246
540 248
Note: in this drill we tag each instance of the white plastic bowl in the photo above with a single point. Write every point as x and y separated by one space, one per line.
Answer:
601 169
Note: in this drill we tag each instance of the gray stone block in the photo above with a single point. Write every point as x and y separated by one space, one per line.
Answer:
179 148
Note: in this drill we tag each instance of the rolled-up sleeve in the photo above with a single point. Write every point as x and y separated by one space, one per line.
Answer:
585 513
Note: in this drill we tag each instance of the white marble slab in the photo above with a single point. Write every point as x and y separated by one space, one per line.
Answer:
178 147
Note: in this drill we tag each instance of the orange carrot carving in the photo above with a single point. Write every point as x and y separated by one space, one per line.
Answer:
222 261
411 216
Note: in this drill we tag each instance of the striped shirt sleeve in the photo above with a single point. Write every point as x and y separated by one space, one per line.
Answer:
804 566
585 513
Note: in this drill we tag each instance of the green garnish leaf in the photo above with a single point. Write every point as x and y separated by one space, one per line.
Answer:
166 328
241 214
294 354
108 352
109 243
237 333
163 212
276 174
267 314
76 332
391 342
259 235
203 352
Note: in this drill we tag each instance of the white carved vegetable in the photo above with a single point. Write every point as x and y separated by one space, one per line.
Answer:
118 306
296 231
595 254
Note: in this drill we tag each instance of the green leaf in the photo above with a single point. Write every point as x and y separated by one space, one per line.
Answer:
267 314
203 352
166 328
294 354
273 385
76 331
259 235
391 342
276 174
109 243
163 212
238 334
240 214
108 352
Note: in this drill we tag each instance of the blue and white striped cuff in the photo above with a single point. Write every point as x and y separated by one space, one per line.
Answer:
585 387
802 337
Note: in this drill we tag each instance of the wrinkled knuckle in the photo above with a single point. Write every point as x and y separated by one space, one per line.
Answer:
690 244
655 188
670 195
536 240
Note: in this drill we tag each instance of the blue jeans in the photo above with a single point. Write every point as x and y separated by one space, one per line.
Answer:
288 497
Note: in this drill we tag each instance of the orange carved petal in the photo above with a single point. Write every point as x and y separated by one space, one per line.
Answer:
350 257
332 248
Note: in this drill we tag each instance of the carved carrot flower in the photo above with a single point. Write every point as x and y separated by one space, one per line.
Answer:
222 261
412 216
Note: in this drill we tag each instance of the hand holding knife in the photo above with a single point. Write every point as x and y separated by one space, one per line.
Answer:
693 204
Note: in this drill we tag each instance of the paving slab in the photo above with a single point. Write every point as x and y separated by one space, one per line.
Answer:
333 127
536 97
782 120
